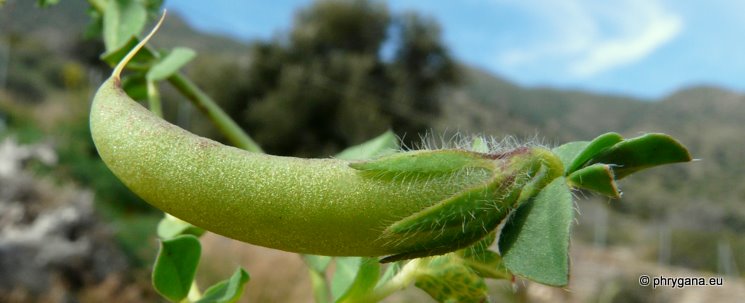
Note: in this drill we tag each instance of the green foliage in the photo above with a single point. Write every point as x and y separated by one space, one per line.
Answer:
170 64
354 277
177 261
317 263
484 261
317 266
447 280
593 148
458 276
596 177
175 267
706 250
535 240
14 122
597 164
227 291
112 57
170 227
122 20
34 72
632 155
382 145
135 233
40 3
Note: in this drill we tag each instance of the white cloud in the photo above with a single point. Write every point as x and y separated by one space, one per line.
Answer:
591 37
637 42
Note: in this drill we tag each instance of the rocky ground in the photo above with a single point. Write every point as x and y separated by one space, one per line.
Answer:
53 248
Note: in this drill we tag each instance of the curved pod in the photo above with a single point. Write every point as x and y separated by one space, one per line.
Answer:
400 204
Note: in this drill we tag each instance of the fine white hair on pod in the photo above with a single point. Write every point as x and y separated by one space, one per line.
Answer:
432 140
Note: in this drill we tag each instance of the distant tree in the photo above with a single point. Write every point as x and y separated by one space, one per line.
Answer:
346 71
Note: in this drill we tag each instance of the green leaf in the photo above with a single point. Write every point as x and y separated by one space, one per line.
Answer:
642 152
364 282
569 151
170 64
488 264
346 271
39 3
484 262
597 178
535 241
175 266
317 266
153 6
227 291
135 85
94 28
170 227
447 279
144 56
317 263
319 285
385 144
122 20
596 146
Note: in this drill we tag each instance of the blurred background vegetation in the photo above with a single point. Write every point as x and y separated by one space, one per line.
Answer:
331 80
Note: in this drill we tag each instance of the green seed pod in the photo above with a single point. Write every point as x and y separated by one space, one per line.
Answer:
407 204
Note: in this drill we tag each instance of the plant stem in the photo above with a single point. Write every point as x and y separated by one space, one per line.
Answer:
222 121
320 287
153 97
403 279
194 293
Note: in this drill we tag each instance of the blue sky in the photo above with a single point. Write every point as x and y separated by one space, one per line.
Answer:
643 48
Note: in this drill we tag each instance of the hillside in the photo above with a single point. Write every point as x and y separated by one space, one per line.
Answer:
499 107
61 26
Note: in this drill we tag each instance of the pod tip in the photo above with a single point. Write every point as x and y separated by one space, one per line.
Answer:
116 74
